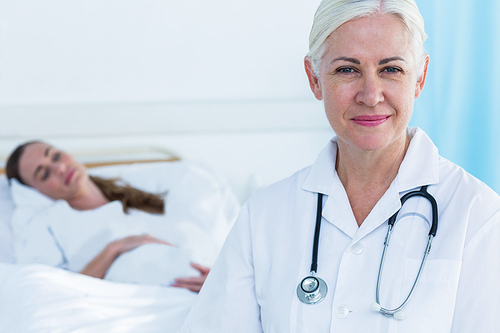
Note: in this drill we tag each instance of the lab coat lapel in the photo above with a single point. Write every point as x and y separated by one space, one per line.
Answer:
337 210
383 210
322 173
323 178
421 163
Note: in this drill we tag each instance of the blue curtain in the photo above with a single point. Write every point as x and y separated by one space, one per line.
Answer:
460 105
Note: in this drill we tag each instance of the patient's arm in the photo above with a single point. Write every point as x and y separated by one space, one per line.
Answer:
101 263
193 283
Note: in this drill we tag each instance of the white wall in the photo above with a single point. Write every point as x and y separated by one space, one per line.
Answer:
221 82
108 51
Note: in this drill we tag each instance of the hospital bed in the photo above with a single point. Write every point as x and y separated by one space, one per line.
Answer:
41 298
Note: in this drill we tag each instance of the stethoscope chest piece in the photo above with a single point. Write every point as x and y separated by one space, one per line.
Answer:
312 290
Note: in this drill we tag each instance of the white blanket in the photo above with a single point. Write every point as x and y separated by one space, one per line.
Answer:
39 298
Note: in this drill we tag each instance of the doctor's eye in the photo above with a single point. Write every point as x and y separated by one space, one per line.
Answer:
346 70
392 70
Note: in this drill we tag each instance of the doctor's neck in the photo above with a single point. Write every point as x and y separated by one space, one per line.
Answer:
366 175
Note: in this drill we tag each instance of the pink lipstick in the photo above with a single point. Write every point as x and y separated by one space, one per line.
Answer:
370 121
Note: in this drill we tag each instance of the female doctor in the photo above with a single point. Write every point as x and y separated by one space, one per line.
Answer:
366 63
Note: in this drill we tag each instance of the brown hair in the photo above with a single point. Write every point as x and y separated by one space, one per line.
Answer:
12 167
129 196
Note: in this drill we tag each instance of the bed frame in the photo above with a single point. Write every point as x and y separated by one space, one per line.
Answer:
108 157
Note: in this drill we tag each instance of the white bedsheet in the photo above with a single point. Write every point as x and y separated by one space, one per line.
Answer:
39 298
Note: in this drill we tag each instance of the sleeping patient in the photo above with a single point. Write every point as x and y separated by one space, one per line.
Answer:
77 195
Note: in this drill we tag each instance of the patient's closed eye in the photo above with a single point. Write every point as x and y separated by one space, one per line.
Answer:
56 157
45 174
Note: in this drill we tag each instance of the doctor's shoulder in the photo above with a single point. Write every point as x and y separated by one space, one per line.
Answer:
456 180
467 194
280 191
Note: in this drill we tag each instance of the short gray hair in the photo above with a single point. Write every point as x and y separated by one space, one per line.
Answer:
331 14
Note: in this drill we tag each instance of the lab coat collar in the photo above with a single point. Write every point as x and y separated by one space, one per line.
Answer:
419 167
323 171
323 178
421 163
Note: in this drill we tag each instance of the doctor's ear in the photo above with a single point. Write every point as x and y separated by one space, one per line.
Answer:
422 77
314 82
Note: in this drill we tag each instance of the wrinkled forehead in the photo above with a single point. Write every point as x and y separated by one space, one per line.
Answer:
373 37
381 29
33 155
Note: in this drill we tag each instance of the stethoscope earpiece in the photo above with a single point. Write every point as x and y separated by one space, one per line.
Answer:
376 307
399 315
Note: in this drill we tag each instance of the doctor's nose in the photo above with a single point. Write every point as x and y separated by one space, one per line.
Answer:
370 93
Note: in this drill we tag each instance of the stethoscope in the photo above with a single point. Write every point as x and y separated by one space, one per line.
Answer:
312 289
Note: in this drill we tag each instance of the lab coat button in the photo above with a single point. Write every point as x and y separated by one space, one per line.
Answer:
357 248
342 312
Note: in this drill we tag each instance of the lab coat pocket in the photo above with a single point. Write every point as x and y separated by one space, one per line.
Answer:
432 304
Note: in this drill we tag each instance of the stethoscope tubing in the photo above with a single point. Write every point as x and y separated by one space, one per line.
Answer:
391 312
319 293
432 233
312 289
423 193
319 215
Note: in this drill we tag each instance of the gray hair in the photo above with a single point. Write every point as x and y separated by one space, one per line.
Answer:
331 14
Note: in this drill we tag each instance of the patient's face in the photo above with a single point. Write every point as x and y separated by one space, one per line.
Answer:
51 171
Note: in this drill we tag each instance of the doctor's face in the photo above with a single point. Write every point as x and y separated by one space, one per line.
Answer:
368 80
51 171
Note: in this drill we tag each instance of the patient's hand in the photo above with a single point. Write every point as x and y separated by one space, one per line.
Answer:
101 263
193 283
126 244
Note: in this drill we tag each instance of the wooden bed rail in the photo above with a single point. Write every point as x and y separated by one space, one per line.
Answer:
99 164
117 156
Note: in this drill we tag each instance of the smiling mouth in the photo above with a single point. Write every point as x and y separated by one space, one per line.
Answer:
370 121
69 176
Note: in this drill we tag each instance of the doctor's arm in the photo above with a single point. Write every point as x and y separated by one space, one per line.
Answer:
227 302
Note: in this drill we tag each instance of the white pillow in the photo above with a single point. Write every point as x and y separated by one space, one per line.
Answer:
6 210
27 198
32 240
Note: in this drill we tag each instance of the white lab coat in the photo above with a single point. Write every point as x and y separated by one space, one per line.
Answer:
252 286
